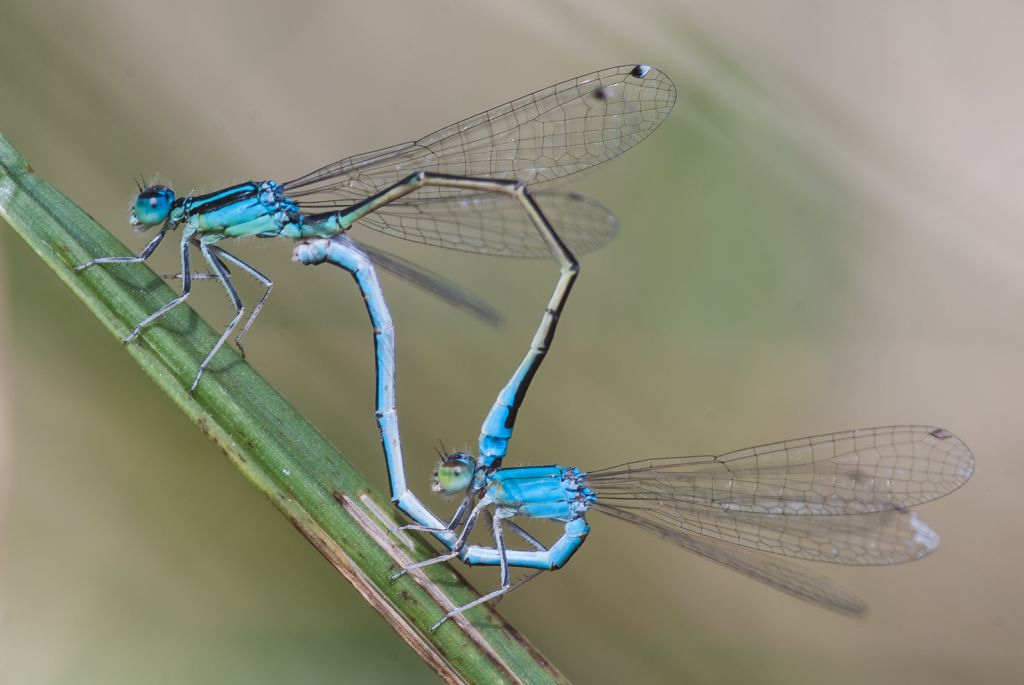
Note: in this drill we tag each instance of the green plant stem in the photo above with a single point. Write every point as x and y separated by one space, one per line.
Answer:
275 447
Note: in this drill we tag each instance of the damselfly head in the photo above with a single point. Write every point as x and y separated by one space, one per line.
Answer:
152 206
453 474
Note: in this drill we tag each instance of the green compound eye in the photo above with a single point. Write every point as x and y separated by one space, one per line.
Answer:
454 474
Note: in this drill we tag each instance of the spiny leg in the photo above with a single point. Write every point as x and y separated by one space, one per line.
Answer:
224 277
186 288
534 542
518 584
142 256
196 276
452 525
223 255
499 544
457 547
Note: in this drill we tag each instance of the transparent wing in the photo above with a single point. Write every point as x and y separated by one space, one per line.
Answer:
538 139
549 134
876 539
852 472
840 497
769 570
498 225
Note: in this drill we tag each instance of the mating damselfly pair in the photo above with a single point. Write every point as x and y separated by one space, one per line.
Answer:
484 185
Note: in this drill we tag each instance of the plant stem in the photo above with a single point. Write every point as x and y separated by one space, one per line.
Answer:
276 448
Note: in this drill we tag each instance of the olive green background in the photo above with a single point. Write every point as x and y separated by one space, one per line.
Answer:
825 234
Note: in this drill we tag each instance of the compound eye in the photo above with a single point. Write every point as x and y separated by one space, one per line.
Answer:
152 206
454 474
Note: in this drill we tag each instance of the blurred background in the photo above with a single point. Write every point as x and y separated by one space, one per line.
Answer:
824 235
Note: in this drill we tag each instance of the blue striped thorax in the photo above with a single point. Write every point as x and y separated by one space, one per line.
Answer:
246 209
548 492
